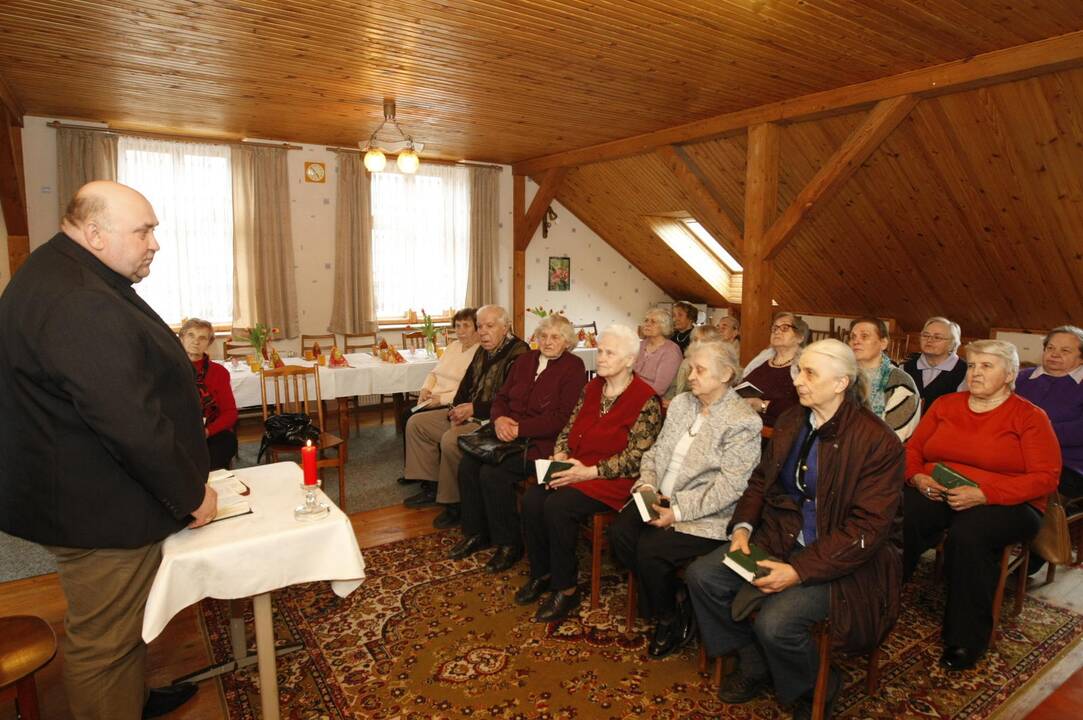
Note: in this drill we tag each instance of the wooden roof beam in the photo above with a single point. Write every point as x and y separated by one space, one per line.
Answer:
704 197
855 150
13 192
1036 58
9 102
547 191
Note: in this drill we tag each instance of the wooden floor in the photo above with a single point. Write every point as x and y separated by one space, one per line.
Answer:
180 649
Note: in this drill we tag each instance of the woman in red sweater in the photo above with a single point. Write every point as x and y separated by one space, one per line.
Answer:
616 420
215 393
1007 446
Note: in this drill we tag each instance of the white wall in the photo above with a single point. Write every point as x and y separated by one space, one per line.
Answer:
5 264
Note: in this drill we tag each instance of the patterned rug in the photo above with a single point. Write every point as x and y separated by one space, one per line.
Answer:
425 637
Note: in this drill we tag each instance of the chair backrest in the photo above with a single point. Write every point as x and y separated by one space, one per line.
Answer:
413 340
325 341
815 335
362 342
233 348
286 390
897 346
591 326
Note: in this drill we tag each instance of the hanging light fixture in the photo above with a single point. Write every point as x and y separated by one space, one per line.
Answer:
375 158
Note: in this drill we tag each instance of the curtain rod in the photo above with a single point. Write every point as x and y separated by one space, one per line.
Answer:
433 161
163 136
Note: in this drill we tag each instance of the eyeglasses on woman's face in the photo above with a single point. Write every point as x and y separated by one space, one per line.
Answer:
933 337
781 328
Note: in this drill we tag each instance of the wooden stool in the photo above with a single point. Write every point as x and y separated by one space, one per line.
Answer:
27 644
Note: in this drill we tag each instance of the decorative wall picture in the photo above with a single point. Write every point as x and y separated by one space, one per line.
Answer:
560 273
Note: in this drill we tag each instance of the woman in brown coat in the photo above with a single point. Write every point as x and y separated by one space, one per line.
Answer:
825 500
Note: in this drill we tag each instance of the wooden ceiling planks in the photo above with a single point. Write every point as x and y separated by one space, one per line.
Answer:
496 80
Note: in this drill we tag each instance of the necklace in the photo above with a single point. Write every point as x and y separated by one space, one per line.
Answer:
608 401
773 364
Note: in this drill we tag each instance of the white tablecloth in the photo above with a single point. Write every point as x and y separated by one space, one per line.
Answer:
252 554
366 376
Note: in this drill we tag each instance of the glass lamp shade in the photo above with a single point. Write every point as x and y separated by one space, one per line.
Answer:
375 160
408 161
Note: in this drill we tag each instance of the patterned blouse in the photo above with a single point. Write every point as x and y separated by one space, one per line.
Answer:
640 438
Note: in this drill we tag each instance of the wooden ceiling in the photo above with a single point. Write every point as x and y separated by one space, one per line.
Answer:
492 80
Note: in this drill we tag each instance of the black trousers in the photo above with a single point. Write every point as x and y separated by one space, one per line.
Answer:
489 502
655 555
222 447
551 522
976 538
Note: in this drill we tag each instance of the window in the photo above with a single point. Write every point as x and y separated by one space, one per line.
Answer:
420 240
714 246
703 253
190 187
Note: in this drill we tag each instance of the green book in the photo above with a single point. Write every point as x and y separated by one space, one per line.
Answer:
745 565
645 499
949 478
544 469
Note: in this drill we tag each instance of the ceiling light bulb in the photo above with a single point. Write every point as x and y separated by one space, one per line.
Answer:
408 161
375 160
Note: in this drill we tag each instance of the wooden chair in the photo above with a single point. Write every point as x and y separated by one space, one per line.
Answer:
290 388
598 523
236 349
897 347
589 327
413 340
325 341
1074 511
27 644
364 342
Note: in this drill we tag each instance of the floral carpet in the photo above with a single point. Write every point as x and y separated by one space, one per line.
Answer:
425 637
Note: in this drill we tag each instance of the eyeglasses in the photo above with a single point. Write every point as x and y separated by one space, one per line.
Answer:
936 338
781 327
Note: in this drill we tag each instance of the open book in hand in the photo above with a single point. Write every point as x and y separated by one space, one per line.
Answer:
745 565
646 498
544 469
950 478
231 502
748 390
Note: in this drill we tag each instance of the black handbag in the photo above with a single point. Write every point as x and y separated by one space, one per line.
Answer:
287 429
484 445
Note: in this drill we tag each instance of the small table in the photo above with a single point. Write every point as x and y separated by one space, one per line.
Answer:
251 555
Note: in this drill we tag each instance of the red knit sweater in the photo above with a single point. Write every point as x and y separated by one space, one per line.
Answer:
221 390
1011 452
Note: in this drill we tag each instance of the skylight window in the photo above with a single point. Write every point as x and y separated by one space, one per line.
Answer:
702 252
713 246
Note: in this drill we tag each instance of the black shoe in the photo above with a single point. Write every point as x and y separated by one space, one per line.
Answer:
671 634
736 688
406 481
802 709
533 590
468 546
504 558
164 700
557 606
448 518
425 498
960 658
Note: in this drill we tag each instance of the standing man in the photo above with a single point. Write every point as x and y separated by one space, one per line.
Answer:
103 456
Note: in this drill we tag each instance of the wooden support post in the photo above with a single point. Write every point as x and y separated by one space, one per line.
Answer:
524 225
761 200
13 189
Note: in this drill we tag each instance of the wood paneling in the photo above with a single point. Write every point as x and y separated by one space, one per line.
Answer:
497 80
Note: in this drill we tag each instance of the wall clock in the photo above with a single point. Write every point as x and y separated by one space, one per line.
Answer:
315 172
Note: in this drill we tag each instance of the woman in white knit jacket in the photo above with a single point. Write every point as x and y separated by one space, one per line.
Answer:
700 465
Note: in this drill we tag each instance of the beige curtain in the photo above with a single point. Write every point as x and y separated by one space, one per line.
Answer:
484 236
82 156
354 307
264 285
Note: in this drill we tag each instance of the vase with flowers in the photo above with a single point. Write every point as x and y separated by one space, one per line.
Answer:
258 336
428 329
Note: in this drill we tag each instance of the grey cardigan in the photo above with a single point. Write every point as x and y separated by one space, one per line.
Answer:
717 466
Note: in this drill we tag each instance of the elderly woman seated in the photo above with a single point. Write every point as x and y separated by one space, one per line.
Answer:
613 424
892 392
729 327
684 316
824 501
699 466
1007 452
937 370
700 333
215 393
530 408
659 358
774 369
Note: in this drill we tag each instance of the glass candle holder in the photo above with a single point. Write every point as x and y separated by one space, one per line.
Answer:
312 509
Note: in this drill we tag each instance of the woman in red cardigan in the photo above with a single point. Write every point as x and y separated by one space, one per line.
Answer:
215 393
535 401
1007 446
614 423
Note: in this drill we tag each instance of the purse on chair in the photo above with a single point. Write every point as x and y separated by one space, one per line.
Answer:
1052 541
287 429
484 445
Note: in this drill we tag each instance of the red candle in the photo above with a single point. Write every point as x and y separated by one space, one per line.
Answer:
308 463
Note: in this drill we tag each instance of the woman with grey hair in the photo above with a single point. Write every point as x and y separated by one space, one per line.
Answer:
772 371
658 358
531 407
699 467
1006 450
1056 386
215 393
613 424
700 333
937 370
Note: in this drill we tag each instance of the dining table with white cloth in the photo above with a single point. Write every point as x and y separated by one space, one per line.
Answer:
251 555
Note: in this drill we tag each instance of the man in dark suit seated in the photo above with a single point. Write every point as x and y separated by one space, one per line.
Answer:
102 456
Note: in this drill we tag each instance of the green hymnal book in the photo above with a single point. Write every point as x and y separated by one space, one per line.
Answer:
745 565
949 478
544 469
646 498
